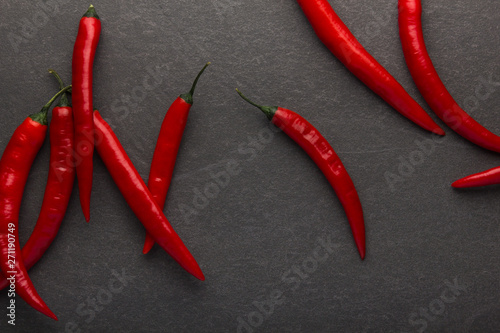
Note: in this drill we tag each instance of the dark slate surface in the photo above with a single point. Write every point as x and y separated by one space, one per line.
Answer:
432 252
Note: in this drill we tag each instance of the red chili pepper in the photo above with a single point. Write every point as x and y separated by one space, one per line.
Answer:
83 60
430 85
59 184
139 198
322 153
488 177
341 42
167 147
15 165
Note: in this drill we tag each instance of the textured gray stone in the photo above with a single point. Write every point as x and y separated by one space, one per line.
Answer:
258 236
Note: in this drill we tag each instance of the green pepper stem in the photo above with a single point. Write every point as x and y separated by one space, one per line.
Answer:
189 96
91 13
60 92
64 98
269 111
58 78
41 117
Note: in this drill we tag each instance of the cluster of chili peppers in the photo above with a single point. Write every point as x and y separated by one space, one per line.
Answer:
76 131
437 96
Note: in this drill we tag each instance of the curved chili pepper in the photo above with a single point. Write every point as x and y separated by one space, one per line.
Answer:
167 147
341 42
488 177
322 153
15 166
430 85
139 198
83 60
59 184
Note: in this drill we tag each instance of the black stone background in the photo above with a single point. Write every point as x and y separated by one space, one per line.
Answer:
254 235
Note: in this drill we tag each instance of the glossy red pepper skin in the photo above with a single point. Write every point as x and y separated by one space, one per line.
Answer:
488 177
322 153
83 60
341 42
15 165
57 191
430 85
167 147
165 155
139 198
